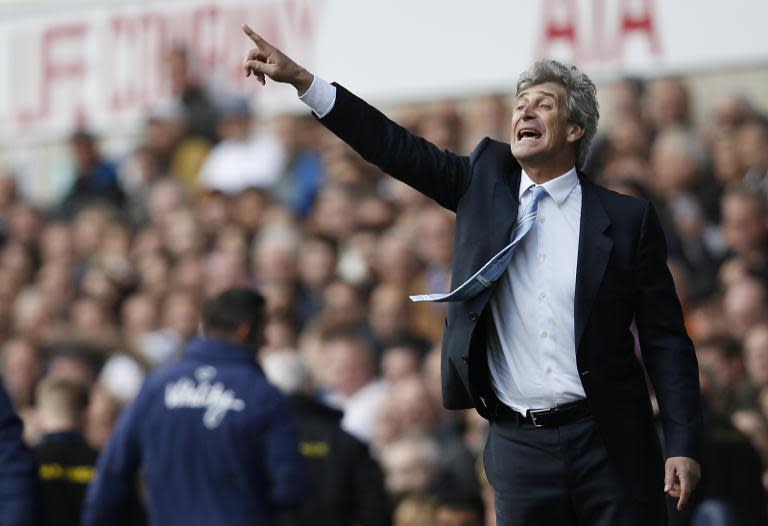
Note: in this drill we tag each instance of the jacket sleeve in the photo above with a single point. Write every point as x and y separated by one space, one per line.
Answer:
19 485
281 455
114 485
668 353
373 504
438 174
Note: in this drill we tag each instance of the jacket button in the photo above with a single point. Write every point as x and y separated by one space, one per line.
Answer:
585 373
472 316
465 358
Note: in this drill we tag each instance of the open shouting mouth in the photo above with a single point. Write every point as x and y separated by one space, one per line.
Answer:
526 134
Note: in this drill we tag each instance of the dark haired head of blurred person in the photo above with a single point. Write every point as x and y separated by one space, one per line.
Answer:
388 313
756 355
9 189
251 208
400 360
165 197
181 233
677 158
60 404
184 76
333 214
181 313
395 259
487 115
411 466
731 111
223 270
22 366
275 254
349 376
237 315
727 166
745 225
344 305
745 305
67 461
720 359
32 310
214 211
752 143
627 96
101 415
459 509
669 103
94 178
73 362
23 223
318 259
442 126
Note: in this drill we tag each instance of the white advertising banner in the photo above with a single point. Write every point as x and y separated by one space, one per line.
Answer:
102 64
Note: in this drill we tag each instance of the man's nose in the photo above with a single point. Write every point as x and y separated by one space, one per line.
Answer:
527 112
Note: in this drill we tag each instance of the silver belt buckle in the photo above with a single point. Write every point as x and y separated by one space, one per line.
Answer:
534 412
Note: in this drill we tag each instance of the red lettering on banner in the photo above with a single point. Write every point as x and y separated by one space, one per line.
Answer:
155 43
129 49
204 33
301 16
642 22
606 34
124 41
560 19
53 70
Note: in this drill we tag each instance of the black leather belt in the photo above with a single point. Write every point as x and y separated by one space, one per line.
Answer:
551 417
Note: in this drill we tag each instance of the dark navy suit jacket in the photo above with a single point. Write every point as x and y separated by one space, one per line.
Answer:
20 494
216 444
621 276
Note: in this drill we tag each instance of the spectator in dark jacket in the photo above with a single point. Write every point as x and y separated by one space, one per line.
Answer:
347 487
216 443
67 461
95 178
19 489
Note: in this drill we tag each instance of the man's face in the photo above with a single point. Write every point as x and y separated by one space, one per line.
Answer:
540 127
744 225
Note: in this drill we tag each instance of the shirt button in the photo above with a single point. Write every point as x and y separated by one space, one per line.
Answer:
544 334
542 258
543 296
541 220
549 370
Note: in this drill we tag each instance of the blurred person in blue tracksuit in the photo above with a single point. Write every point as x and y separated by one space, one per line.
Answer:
214 442
19 487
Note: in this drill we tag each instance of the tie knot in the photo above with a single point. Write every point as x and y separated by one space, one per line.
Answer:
537 192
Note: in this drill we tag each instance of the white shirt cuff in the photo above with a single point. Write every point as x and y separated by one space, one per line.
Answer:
320 97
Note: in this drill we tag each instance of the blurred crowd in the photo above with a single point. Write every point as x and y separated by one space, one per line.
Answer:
106 284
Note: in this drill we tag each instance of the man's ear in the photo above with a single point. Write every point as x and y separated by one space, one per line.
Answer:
575 132
243 332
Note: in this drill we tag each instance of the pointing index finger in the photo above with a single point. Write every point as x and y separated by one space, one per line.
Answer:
255 37
685 492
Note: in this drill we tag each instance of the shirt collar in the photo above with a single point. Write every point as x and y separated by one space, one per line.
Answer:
558 188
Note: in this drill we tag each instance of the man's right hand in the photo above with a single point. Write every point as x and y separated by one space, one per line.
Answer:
265 60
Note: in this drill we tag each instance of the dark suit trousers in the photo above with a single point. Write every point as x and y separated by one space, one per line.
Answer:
559 476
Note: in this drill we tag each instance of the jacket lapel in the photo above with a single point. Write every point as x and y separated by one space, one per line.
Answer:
505 207
594 251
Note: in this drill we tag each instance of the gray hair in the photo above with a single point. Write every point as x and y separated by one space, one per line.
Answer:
580 100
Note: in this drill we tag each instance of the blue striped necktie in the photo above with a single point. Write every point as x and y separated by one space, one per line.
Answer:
495 267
